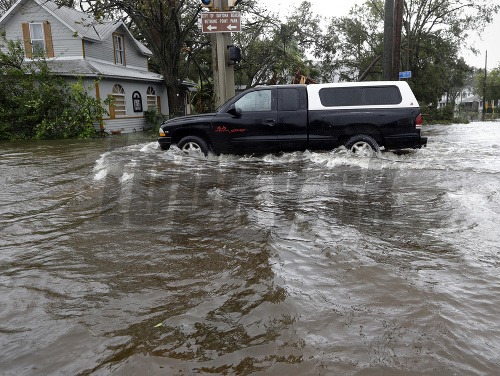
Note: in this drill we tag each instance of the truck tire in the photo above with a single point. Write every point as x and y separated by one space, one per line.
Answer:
193 144
363 146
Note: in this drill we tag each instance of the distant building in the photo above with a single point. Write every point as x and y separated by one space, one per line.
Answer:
470 104
76 45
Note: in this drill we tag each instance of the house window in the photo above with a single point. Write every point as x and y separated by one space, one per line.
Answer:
37 41
137 101
117 107
119 47
151 98
37 37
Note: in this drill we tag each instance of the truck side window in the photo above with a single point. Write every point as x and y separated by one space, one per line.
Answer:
381 95
288 100
360 96
255 101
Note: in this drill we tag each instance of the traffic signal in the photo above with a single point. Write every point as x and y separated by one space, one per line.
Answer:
234 54
207 3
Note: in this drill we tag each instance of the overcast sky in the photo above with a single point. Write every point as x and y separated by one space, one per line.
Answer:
489 40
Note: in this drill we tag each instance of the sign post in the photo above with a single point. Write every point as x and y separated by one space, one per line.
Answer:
218 22
221 25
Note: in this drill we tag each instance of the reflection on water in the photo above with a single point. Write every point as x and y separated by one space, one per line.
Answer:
116 257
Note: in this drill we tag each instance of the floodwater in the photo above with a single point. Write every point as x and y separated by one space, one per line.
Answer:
119 258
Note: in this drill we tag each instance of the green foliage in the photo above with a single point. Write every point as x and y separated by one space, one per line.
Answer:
492 91
433 33
202 100
164 27
36 104
438 70
444 115
153 119
274 51
5 5
74 120
276 46
352 46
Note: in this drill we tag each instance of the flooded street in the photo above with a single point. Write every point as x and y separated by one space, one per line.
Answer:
119 258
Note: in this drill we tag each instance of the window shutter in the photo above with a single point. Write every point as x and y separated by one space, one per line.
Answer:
112 113
49 47
28 51
158 104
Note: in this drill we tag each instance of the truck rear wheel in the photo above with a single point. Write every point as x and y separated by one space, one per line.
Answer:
193 144
363 146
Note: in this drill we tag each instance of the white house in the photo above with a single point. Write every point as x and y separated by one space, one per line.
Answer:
76 45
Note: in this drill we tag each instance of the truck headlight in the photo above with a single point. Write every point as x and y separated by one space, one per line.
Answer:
163 133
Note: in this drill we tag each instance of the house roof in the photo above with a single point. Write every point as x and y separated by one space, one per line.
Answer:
80 23
472 99
90 68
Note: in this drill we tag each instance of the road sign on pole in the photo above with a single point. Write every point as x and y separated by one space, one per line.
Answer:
405 74
220 25
220 22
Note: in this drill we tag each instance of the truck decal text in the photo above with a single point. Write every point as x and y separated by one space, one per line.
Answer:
223 129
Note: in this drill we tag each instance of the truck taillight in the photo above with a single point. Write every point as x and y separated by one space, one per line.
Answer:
418 121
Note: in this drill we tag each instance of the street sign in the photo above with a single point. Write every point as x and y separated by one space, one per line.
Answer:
220 22
405 74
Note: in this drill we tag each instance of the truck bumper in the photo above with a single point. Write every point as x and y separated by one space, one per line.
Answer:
165 142
412 141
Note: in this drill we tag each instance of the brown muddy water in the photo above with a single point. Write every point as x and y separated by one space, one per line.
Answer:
119 258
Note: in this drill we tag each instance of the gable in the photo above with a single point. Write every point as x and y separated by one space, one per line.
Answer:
58 39
108 29
78 24
106 50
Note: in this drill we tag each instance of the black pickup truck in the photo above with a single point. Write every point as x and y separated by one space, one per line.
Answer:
362 116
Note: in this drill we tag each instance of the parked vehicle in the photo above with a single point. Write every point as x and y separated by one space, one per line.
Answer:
362 116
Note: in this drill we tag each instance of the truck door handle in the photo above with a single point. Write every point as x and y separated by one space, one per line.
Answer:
270 122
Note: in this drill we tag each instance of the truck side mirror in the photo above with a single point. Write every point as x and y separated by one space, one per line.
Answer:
234 111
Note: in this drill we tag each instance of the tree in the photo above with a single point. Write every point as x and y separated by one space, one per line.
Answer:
492 91
454 20
434 31
273 51
5 5
352 46
164 26
432 34
438 70
457 77
38 104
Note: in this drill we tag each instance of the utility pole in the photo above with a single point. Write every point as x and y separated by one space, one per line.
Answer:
396 48
221 20
393 24
484 86
388 40
223 72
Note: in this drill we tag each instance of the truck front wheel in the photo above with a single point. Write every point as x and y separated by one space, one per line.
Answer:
363 146
193 144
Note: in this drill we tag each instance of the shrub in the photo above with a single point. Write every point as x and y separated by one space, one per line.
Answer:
37 104
153 119
442 115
